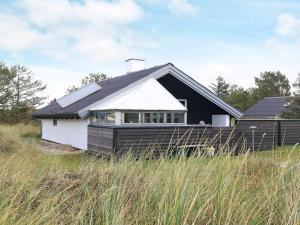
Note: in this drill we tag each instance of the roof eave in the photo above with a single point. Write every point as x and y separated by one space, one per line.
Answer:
56 115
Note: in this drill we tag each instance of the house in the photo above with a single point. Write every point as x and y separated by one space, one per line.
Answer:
160 96
267 108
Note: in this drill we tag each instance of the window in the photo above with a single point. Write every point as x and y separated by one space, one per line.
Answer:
110 118
169 117
103 117
54 122
147 117
160 117
153 117
131 117
178 118
175 118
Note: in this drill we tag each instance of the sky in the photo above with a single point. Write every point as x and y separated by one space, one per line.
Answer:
62 41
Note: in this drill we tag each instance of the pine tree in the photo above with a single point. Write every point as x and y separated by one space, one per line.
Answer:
25 88
5 86
221 88
293 108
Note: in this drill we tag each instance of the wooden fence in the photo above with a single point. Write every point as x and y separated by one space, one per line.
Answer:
267 135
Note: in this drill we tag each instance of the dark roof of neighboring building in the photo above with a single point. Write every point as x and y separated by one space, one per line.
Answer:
270 106
107 88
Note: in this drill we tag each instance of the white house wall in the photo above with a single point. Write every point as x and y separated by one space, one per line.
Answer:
68 131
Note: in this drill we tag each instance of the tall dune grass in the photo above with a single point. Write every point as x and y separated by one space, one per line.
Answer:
35 188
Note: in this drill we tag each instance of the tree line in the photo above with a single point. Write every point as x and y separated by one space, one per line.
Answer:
267 84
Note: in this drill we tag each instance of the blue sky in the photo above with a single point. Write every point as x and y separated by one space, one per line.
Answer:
62 41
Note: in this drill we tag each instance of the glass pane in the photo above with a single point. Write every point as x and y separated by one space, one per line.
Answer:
131 117
100 117
178 117
169 117
160 117
146 117
110 117
154 118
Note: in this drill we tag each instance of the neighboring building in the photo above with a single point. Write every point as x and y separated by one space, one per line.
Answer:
267 108
158 96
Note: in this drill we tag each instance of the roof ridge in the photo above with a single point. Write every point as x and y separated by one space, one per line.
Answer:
137 71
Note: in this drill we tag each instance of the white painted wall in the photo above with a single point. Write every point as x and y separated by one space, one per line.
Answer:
220 120
68 131
149 95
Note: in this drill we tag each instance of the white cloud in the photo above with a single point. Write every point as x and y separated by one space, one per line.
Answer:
177 7
288 25
94 30
16 35
182 7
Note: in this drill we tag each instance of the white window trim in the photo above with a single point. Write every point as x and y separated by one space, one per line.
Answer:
120 118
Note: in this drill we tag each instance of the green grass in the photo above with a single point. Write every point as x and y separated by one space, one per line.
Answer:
37 188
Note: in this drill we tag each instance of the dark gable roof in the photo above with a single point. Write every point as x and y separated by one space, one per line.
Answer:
270 106
107 88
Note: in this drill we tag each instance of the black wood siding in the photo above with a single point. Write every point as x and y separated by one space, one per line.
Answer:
100 140
199 108
290 132
160 138
265 136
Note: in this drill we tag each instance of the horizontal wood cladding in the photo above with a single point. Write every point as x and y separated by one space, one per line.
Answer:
265 135
225 139
290 132
160 138
100 140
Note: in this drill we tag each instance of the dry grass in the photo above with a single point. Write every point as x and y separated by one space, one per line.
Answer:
260 188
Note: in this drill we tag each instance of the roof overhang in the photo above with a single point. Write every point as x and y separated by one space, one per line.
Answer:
58 115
